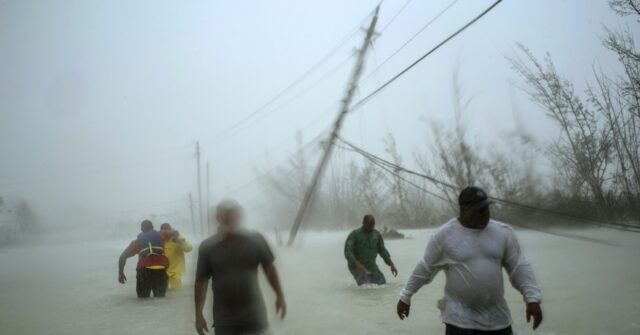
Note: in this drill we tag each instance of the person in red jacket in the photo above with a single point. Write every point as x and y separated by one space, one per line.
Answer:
152 263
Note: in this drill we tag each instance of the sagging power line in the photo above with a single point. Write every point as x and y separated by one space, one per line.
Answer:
298 95
423 57
444 199
297 81
346 108
244 123
315 140
393 54
395 16
393 168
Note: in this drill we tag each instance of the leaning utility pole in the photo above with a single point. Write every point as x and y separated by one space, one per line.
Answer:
344 109
208 204
199 188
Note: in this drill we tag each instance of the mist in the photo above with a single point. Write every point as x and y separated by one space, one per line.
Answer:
114 113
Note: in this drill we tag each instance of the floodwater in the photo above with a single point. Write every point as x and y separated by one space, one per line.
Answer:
589 286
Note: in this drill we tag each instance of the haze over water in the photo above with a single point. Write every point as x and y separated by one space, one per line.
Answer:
103 106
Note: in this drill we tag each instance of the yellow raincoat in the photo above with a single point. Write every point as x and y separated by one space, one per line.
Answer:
174 250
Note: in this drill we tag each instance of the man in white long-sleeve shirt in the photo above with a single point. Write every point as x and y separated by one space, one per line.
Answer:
472 250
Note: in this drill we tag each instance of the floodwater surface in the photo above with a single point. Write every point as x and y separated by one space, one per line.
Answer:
591 285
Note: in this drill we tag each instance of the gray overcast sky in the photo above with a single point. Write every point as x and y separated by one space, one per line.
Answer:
101 102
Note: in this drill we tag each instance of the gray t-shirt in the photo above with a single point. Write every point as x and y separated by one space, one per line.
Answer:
233 268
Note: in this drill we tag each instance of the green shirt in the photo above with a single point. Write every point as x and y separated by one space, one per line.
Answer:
364 247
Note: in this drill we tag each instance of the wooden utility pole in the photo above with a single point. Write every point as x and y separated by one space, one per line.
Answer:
344 109
193 221
208 203
199 188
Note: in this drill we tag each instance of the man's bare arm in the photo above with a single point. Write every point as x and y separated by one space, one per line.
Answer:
274 281
200 295
121 263
123 259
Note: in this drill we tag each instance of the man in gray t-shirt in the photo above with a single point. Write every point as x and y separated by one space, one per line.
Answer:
231 259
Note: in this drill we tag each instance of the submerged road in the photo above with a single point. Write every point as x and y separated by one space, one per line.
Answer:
72 288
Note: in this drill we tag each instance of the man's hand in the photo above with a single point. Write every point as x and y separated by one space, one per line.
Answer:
201 325
360 267
534 310
394 271
281 307
122 278
403 310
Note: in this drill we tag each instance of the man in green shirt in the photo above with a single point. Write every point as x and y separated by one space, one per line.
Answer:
361 249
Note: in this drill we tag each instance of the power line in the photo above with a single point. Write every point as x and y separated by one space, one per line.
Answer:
519 224
318 81
385 168
362 101
411 38
313 68
395 16
283 142
395 167
394 78
309 144
315 120
295 97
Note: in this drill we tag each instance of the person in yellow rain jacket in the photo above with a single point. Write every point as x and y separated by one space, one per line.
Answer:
175 249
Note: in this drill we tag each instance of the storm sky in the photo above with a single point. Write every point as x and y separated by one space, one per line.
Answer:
101 103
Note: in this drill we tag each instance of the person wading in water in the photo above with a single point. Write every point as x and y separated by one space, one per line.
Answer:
231 259
361 250
472 250
151 273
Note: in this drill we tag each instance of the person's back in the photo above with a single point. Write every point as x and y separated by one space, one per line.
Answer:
152 262
150 244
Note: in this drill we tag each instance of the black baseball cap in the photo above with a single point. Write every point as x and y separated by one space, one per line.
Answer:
473 197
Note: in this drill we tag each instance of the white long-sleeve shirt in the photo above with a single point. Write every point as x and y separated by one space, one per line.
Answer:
472 260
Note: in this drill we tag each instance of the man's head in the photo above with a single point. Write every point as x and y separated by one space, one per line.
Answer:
368 223
228 215
146 226
165 226
474 207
